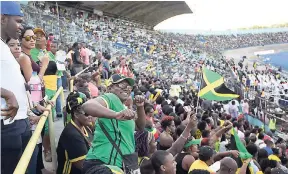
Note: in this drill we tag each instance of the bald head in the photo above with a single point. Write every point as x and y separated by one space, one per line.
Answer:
228 166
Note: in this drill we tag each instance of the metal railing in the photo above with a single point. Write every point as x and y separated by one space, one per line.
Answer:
27 154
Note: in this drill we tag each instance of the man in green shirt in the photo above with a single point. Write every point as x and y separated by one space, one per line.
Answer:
117 120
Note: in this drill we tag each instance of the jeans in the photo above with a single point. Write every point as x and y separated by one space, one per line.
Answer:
88 164
105 74
58 101
33 161
14 139
64 80
40 164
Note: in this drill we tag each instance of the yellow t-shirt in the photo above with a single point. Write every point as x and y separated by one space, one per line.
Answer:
50 82
198 164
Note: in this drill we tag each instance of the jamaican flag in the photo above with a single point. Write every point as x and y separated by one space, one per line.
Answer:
236 144
213 87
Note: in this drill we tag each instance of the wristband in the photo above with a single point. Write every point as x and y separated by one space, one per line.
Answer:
183 137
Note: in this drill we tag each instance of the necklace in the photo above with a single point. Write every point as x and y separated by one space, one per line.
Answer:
83 132
167 133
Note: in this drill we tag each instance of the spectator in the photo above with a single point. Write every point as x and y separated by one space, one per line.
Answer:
15 132
110 110
233 110
204 161
163 162
50 40
76 135
77 65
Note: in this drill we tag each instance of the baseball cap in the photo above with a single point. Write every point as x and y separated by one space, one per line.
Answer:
37 30
117 78
206 151
11 8
192 142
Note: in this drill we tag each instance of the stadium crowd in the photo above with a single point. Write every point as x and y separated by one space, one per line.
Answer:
120 119
92 27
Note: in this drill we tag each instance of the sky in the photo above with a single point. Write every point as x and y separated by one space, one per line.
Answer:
220 15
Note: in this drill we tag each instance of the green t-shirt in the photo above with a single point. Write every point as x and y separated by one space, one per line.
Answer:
34 54
122 132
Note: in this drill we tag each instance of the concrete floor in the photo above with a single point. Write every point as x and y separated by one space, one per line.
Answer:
58 127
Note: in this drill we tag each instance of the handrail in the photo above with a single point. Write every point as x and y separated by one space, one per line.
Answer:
72 79
27 154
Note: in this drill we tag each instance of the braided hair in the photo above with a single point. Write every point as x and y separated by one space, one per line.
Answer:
141 141
74 101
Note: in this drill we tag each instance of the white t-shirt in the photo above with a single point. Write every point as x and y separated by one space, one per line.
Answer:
241 134
12 80
226 108
259 142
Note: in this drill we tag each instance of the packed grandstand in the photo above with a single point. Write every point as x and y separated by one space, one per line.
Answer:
137 100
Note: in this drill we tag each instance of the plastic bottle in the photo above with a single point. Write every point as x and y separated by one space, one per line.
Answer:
35 87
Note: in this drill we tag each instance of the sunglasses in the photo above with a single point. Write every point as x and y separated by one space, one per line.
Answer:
122 86
28 38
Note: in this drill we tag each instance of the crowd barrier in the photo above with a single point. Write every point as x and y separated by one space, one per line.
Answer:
27 154
257 122
71 81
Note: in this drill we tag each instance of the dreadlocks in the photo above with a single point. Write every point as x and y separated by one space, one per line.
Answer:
141 140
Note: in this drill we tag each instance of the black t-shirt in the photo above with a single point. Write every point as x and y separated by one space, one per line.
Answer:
72 147
179 159
75 55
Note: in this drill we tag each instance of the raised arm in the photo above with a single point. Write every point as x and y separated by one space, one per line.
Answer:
141 120
226 127
178 145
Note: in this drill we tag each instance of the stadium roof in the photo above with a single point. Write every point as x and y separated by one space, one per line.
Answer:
150 13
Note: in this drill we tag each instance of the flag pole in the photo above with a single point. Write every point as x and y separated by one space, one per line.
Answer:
197 104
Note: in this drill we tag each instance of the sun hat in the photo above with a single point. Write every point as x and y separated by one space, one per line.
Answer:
37 30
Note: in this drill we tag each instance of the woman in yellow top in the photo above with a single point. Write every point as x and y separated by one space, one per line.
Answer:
50 83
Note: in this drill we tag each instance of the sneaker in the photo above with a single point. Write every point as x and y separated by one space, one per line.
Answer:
48 156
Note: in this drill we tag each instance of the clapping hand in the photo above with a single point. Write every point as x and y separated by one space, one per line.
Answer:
126 114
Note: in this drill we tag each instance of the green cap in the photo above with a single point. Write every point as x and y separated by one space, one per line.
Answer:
192 142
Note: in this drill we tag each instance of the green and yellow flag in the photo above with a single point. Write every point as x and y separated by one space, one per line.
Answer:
213 87
236 144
